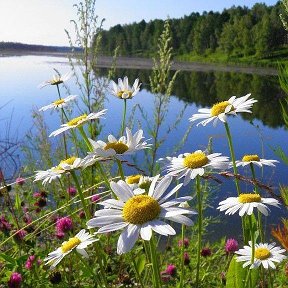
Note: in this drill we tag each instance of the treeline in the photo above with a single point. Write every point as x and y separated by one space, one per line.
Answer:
10 46
237 31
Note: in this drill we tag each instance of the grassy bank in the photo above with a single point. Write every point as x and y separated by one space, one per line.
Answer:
271 60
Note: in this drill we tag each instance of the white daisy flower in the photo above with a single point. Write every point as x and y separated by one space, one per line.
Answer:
126 145
265 254
189 165
47 176
57 171
140 214
222 109
245 203
56 80
79 242
123 90
139 183
77 122
255 159
58 104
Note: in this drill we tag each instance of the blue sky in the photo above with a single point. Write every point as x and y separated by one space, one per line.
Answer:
43 22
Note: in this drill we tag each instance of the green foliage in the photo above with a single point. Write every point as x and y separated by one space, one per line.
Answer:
238 32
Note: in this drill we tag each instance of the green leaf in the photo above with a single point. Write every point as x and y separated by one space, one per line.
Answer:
17 201
237 275
8 259
140 263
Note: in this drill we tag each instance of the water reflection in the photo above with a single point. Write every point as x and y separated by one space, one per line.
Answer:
207 88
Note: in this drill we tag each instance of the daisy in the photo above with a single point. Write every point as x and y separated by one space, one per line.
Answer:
77 122
140 214
189 165
60 103
139 183
80 242
255 159
245 203
123 90
57 171
265 254
124 146
56 80
222 109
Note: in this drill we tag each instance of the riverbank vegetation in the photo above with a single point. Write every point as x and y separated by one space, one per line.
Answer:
236 35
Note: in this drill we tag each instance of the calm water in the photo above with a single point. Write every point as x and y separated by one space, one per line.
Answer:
252 134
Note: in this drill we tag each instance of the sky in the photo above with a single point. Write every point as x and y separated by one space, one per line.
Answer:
44 21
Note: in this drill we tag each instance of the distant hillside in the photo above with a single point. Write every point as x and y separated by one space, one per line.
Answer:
12 46
234 33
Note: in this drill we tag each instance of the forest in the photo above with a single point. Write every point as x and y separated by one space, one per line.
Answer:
236 32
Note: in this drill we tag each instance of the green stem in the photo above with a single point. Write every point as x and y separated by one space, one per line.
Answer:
199 200
98 165
136 271
120 169
89 269
155 266
259 214
123 117
229 137
182 256
74 176
253 244
85 138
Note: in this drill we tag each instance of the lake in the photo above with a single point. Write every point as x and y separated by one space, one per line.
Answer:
252 134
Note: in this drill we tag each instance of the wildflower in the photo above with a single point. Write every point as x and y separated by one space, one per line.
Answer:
117 148
265 254
64 224
81 214
58 104
49 175
245 203
78 122
5 226
78 242
185 242
95 198
57 171
56 80
139 183
71 191
15 280
164 277
29 262
281 234
20 181
189 165
123 90
205 252
231 245
256 160
20 235
60 234
140 214
171 270
222 109
186 258
27 218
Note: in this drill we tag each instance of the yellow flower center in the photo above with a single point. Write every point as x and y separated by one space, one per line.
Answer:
69 161
262 253
58 102
219 108
248 198
145 185
133 179
140 209
70 244
248 158
121 92
76 120
195 160
119 147
56 81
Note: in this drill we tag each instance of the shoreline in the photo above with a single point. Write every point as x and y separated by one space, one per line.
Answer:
147 63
